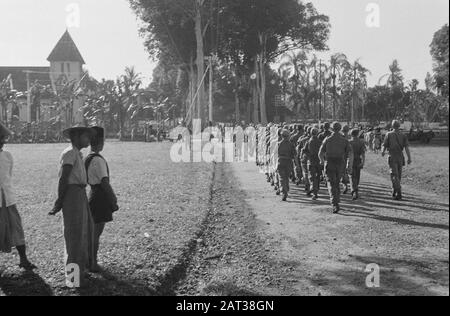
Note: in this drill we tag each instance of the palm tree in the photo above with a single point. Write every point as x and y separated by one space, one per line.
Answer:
323 82
284 74
394 76
338 64
394 81
128 85
309 82
357 74
296 62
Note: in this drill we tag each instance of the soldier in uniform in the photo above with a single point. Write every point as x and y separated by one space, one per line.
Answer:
345 177
311 151
303 160
359 158
286 153
396 142
346 131
297 174
326 132
377 140
333 154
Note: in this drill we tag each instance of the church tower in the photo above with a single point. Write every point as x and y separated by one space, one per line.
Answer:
66 65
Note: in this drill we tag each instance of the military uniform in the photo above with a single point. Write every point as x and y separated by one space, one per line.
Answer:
395 143
335 148
311 151
345 176
304 161
359 149
297 166
326 133
286 153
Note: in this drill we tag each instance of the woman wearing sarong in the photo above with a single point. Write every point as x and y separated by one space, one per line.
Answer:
72 200
11 230
102 200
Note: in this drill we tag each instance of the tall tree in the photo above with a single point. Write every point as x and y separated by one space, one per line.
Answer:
354 81
338 63
440 54
395 82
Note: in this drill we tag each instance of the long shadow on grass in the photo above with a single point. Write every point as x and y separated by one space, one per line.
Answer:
374 198
408 204
108 284
25 284
397 277
402 221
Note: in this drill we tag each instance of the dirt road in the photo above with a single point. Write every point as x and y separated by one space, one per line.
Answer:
327 254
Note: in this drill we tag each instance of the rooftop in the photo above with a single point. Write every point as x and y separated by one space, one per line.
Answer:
66 50
19 76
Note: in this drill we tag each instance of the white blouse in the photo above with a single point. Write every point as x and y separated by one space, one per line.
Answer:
98 170
73 157
6 167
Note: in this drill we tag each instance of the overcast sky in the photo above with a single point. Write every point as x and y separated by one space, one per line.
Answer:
108 39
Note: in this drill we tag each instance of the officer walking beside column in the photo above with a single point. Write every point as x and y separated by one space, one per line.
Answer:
396 142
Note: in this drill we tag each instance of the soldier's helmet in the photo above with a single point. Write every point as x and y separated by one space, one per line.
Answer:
285 133
336 127
395 124
345 128
355 132
326 126
314 131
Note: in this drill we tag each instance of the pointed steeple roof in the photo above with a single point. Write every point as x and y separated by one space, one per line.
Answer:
66 50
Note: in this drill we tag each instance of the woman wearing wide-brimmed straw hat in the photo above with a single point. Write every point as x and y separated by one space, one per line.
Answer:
72 200
11 230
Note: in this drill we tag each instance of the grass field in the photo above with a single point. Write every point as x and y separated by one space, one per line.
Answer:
162 207
429 171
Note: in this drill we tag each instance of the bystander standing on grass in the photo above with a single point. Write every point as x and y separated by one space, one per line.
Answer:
11 230
102 200
72 200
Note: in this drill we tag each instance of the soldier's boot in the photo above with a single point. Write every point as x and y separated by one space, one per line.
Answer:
399 196
336 209
278 192
355 195
315 197
285 196
345 189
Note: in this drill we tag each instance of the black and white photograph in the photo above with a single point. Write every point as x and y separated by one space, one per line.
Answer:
225 154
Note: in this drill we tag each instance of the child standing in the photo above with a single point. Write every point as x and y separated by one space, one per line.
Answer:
102 200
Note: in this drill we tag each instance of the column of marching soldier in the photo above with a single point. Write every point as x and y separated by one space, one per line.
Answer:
330 153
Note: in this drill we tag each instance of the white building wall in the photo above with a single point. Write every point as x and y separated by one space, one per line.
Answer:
73 71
